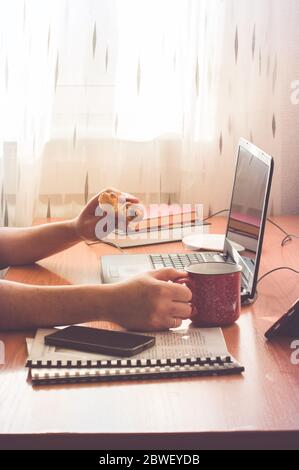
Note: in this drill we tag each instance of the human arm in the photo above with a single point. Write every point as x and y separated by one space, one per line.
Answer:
26 245
147 302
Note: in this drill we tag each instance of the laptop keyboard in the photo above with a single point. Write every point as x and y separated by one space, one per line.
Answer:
250 263
181 260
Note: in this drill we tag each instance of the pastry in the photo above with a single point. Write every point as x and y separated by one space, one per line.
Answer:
120 206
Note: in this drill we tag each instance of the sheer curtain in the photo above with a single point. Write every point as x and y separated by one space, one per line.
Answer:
27 91
150 96
100 93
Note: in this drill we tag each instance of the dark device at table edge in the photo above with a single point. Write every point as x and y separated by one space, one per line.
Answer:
287 325
110 342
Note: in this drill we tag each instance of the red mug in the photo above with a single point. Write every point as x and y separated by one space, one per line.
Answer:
216 293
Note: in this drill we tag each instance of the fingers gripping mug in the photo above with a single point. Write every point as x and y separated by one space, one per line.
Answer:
216 293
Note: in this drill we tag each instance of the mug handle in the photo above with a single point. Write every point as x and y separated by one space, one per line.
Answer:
186 281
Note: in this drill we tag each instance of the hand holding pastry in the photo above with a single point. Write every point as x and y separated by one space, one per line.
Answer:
85 224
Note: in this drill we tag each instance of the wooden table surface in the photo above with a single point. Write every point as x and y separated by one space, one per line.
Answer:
257 409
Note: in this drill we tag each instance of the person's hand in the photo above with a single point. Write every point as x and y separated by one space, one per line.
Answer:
148 302
85 223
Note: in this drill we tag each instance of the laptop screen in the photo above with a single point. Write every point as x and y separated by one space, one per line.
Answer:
249 202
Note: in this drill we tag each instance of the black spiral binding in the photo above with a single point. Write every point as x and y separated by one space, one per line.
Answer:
120 363
167 368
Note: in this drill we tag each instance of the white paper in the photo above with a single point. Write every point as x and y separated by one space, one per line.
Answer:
29 343
182 342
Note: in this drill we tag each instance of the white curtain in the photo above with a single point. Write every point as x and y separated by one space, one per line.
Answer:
27 93
150 96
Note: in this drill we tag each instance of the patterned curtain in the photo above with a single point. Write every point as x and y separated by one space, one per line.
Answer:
149 96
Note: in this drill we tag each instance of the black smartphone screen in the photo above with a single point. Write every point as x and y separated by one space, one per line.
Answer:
115 343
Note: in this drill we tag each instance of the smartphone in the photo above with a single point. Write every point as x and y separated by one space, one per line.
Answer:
112 343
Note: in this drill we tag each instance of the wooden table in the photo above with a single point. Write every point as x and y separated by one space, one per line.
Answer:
257 409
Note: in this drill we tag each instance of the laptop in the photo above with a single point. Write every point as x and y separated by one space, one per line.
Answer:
246 224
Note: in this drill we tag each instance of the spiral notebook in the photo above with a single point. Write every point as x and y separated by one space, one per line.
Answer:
183 352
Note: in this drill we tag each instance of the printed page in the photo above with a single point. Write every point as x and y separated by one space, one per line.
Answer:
183 342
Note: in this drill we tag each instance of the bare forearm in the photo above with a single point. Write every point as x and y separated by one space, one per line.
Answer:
25 307
26 245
